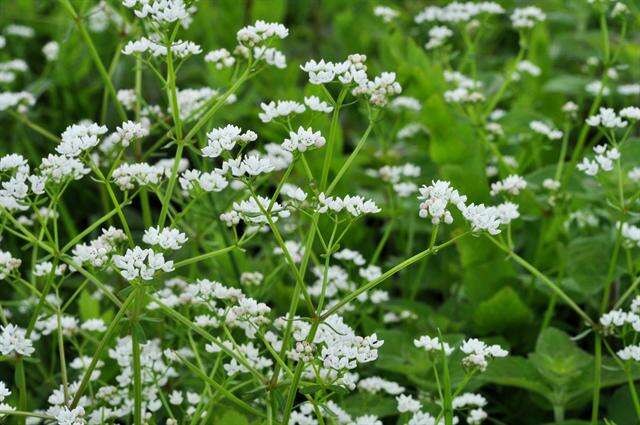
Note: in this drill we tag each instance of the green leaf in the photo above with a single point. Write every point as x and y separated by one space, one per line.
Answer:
89 307
231 417
515 371
503 312
557 358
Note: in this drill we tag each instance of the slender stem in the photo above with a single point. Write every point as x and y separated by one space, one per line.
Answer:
399 267
555 288
113 326
349 160
96 58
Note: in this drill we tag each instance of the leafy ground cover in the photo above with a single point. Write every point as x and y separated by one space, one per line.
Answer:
319 212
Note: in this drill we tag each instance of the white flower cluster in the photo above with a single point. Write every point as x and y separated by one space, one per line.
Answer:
456 12
603 160
351 70
220 58
545 129
166 238
478 353
127 176
433 344
213 181
51 50
128 132
438 35
526 67
375 384
98 252
224 139
160 11
608 118
14 342
10 69
335 348
8 263
466 90
46 267
23 100
141 263
78 138
180 49
354 205
527 17
260 32
631 234
303 140
251 210
512 185
387 14
435 199
281 108
380 89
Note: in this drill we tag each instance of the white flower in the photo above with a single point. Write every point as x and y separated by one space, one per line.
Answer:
78 138
224 139
433 344
546 130
127 176
94 325
293 192
405 102
478 353
350 255
406 403
4 391
551 184
529 68
51 50
355 205
180 49
468 399
282 108
482 218
251 210
8 263
13 341
271 56
98 251
456 12
221 58
65 416
630 352
129 131
167 238
375 384
142 263
438 35
302 140
527 17
260 32
512 184
21 99
315 104
630 112
435 199
607 118
58 168
209 182
603 160
386 13
160 11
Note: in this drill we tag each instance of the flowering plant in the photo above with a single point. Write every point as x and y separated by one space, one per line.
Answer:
367 216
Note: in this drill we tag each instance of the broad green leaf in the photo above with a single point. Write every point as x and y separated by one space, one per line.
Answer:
504 311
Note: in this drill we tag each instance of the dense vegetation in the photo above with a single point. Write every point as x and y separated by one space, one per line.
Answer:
319 212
